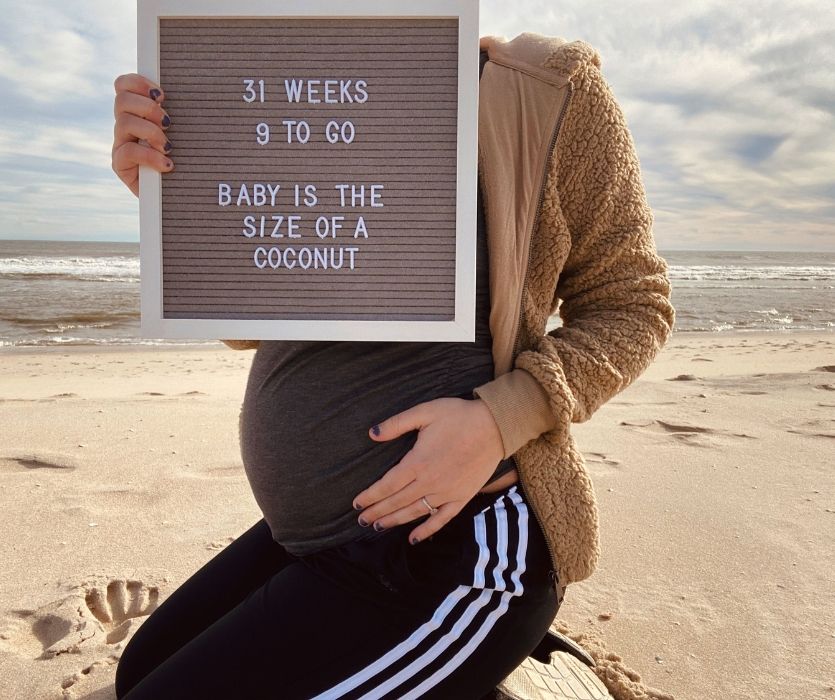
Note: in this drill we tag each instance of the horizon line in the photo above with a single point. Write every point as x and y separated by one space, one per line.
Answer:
659 249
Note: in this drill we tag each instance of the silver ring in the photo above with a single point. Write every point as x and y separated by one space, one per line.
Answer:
426 503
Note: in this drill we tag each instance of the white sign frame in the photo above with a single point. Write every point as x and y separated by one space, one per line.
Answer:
462 327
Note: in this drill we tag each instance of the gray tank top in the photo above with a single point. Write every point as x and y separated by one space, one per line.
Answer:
309 405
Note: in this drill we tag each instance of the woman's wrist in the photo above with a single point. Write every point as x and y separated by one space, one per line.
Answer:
491 433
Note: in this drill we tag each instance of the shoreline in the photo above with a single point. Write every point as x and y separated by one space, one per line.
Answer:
754 334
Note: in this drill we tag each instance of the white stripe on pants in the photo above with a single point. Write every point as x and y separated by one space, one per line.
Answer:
498 598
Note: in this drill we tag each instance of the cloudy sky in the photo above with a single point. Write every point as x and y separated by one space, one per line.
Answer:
731 105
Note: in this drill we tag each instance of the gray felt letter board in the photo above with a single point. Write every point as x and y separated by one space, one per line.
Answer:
325 170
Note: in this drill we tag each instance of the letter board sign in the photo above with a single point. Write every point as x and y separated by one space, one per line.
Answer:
325 176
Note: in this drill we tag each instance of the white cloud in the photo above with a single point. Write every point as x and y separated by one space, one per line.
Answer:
58 144
51 67
57 51
69 206
731 106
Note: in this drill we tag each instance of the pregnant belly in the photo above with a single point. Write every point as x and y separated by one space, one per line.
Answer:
305 420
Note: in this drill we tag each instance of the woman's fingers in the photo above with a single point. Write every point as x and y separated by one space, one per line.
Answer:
139 129
130 155
415 509
382 511
140 106
436 521
129 127
139 84
409 506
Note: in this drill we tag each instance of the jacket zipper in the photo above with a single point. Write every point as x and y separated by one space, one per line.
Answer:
560 588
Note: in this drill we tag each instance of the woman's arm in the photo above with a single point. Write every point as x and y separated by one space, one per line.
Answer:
614 288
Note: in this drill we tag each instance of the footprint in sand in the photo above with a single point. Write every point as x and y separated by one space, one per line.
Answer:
220 544
683 378
216 472
615 402
119 604
23 460
824 368
691 434
90 615
814 428
601 458
601 464
96 678
811 433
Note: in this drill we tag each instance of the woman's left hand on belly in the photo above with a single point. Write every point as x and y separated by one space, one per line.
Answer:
457 450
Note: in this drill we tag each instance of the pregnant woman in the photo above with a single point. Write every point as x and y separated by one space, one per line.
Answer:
424 505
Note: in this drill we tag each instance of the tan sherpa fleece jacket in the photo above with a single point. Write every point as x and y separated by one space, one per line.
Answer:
570 230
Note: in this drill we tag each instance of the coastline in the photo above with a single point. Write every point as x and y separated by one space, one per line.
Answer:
210 345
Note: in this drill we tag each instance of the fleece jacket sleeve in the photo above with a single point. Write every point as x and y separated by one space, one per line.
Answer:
613 291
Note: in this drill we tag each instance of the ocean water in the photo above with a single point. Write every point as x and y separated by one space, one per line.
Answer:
752 291
79 293
70 293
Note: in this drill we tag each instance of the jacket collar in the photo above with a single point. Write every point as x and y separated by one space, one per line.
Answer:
520 105
527 52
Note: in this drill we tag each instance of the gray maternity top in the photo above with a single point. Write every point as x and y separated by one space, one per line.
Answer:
309 405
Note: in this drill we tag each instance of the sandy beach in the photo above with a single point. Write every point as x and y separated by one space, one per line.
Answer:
120 475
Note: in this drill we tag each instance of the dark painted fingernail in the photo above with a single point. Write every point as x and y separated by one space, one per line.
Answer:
166 120
357 506
414 540
376 430
155 94
169 164
362 522
378 527
167 146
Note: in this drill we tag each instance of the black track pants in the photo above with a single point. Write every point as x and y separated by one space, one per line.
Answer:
447 618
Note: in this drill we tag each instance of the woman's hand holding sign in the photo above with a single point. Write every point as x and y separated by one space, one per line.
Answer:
457 450
139 132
